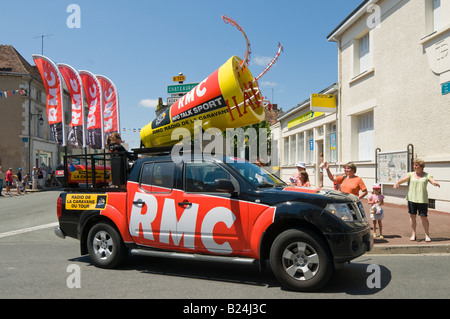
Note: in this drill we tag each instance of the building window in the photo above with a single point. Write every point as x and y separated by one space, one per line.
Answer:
364 53
310 147
286 151
366 142
333 144
301 147
320 131
437 15
362 56
433 16
39 96
293 150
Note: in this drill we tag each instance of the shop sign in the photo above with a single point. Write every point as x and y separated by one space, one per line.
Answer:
304 118
323 102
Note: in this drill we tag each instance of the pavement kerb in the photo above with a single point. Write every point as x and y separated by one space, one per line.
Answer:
30 190
410 249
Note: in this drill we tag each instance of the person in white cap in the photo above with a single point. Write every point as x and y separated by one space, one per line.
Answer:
295 179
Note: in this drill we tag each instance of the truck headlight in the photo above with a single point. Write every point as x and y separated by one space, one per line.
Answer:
341 211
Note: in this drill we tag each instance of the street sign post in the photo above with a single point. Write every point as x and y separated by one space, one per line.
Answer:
172 99
179 78
180 88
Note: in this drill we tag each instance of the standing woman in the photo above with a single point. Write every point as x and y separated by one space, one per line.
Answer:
417 196
114 144
349 183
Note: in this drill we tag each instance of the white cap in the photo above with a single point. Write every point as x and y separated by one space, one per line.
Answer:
301 164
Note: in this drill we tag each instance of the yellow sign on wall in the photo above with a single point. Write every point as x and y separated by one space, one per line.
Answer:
304 118
323 102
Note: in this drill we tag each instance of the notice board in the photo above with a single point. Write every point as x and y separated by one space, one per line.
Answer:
392 166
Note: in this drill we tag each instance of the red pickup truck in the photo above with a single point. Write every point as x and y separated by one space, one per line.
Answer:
216 208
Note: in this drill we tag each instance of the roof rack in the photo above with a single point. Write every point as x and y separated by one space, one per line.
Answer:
164 150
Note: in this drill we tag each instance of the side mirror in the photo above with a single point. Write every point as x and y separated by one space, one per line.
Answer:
223 185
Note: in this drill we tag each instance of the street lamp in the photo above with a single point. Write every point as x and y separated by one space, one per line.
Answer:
41 120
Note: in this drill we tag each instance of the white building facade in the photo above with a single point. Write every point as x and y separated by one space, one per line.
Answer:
304 135
392 93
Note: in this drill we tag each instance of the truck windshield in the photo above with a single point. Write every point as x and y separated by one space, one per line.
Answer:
256 175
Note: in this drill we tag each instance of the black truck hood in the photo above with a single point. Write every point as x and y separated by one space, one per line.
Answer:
316 196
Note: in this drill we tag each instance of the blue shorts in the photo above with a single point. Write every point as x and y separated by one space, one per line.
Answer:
8 183
422 208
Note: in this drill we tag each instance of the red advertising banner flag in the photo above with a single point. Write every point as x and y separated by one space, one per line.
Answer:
111 122
94 125
53 87
77 125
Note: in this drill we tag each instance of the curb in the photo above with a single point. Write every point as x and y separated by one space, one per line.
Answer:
410 249
31 191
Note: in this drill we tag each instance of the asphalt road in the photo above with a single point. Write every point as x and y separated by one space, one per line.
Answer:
34 263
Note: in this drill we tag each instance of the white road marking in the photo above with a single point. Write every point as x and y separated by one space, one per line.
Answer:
29 229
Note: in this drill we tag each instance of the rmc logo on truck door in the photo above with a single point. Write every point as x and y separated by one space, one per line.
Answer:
148 213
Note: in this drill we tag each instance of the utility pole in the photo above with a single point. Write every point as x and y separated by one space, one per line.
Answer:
42 36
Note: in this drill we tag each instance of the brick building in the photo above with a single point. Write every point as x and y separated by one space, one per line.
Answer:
26 139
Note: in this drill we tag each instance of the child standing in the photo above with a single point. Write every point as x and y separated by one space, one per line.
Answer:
303 179
376 199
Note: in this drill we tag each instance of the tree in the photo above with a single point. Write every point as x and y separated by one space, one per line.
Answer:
251 141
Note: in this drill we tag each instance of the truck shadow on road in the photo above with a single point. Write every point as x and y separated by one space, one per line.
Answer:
202 270
360 278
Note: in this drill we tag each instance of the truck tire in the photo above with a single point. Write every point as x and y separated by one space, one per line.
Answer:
300 260
105 246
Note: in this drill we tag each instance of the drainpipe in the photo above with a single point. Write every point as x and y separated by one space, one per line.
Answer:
339 110
29 125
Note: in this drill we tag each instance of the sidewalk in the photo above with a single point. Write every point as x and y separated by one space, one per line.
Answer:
29 191
397 232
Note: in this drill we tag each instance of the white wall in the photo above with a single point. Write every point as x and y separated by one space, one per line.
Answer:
403 89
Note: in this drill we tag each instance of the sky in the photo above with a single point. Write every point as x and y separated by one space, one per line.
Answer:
141 44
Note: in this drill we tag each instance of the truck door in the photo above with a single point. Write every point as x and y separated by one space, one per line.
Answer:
221 221
151 199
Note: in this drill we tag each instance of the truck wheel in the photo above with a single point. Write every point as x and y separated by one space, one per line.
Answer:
105 246
300 260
